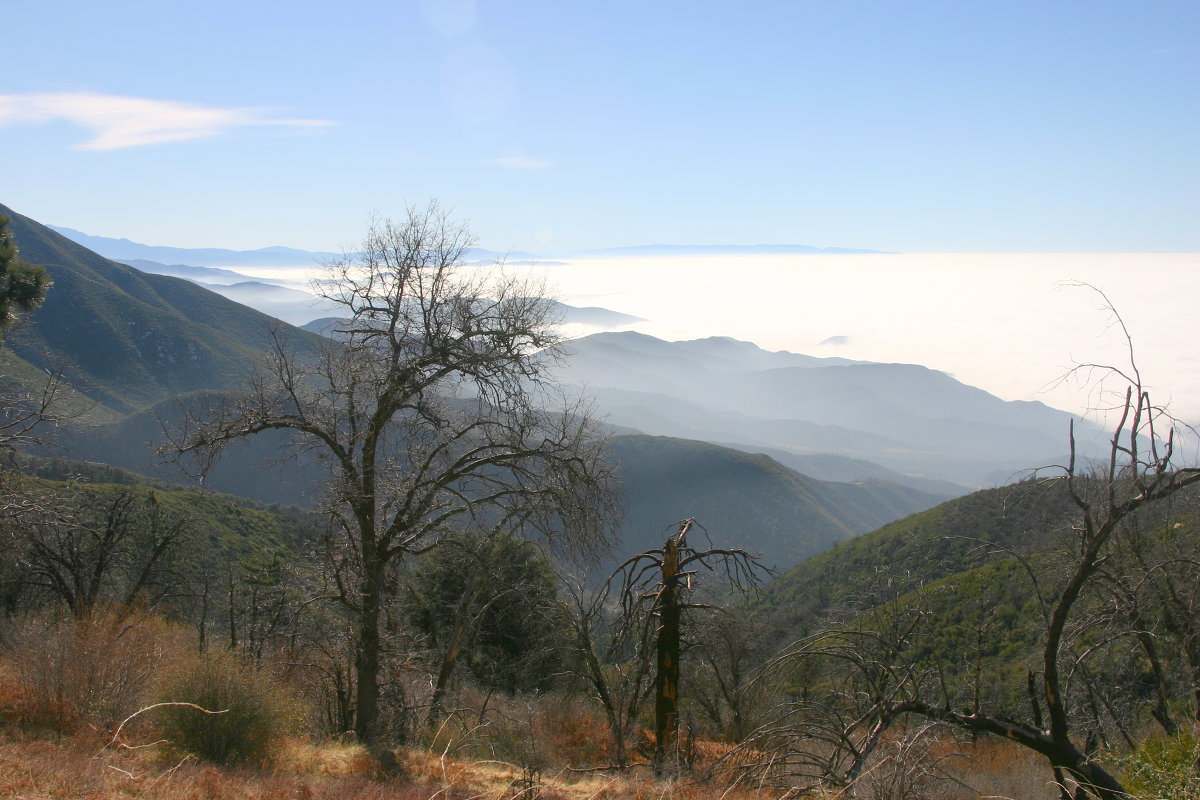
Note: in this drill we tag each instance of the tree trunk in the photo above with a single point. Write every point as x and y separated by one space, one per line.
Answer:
666 680
367 655
454 646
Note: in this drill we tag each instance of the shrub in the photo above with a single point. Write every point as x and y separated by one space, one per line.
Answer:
1163 767
254 711
86 674
573 733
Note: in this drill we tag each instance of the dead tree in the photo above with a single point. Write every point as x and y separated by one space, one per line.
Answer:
611 659
657 589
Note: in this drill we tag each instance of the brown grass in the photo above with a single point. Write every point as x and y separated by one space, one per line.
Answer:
41 770
992 768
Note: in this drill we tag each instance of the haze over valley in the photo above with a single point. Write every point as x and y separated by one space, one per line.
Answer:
600 401
913 420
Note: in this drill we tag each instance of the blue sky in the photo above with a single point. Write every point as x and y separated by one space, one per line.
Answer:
910 126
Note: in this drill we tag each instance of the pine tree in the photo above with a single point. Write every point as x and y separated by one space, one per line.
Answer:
22 286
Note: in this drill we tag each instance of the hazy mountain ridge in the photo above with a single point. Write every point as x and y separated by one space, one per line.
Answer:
123 249
277 256
591 316
905 417
721 249
832 467
209 275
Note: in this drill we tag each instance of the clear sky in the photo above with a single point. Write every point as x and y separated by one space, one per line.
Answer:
551 125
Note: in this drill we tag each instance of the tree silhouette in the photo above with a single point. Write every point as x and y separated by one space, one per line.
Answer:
432 409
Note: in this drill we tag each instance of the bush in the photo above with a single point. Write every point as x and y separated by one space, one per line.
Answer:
254 711
75 675
1163 767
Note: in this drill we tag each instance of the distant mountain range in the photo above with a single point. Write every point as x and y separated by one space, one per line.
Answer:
136 347
278 299
124 250
589 316
901 421
203 275
907 418
648 250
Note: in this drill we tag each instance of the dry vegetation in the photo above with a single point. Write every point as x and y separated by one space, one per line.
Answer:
68 687
57 741
84 768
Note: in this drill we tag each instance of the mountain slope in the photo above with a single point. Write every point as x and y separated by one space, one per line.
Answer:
127 339
746 500
141 346
956 536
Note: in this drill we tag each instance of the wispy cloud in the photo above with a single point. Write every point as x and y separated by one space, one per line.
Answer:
117 122
519 162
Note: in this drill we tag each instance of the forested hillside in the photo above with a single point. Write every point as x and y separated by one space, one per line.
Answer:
746 500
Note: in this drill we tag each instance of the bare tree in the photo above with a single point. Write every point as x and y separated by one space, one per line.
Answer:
1151 592
611 652
878 681
729 647
84 548
432 410
657 590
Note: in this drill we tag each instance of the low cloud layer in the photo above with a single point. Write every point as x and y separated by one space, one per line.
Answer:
117 122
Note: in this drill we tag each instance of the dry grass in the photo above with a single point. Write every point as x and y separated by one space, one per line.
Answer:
41 770
992 768
530 749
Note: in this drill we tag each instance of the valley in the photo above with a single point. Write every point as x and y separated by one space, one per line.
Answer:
912 556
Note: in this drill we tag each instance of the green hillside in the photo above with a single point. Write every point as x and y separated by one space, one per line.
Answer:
126 339
952 538
203 543
962 572
747 500
225 524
